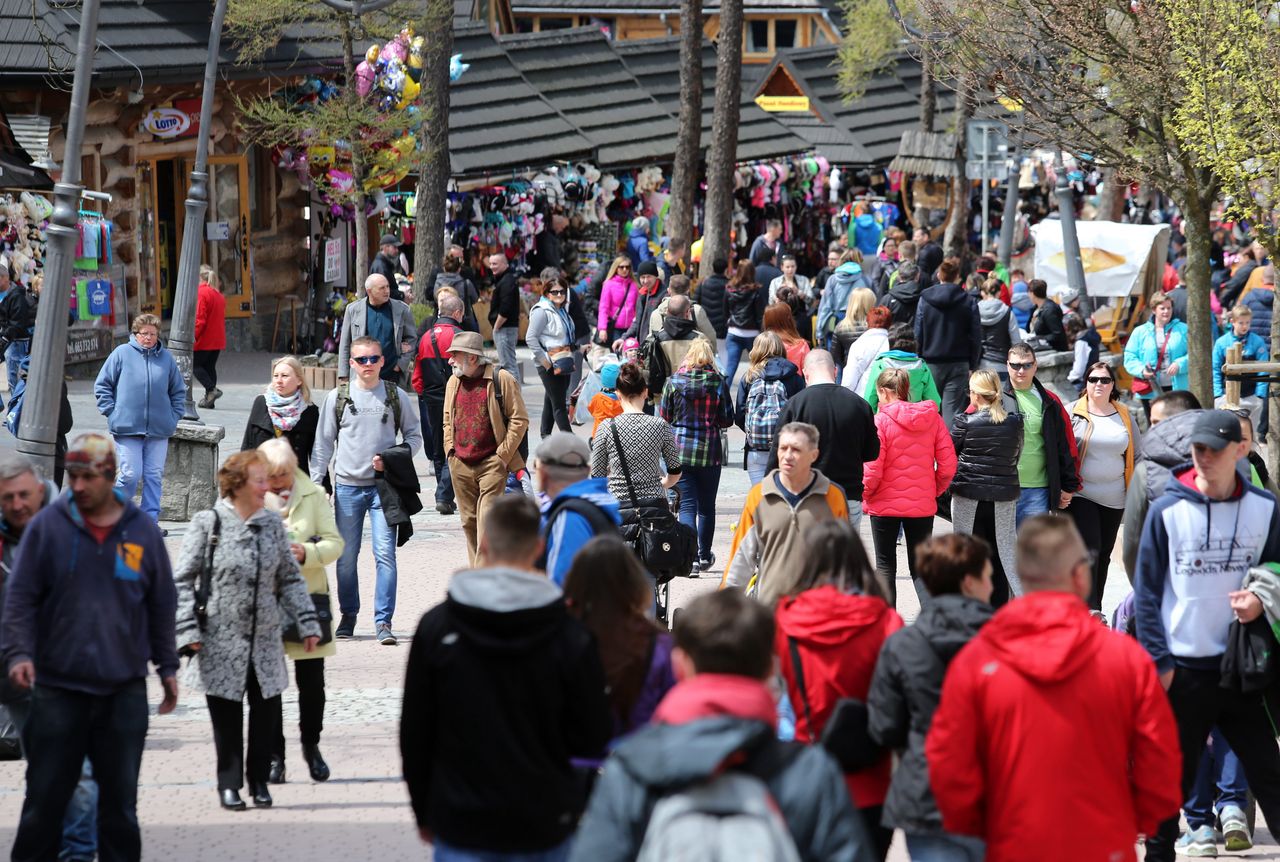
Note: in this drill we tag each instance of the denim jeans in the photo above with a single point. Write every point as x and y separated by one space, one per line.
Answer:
80 824
945 847
351 503
13 356
142 459
505 340
757 465
63 729
698 487
1219 771
443 852
734 347
1032 501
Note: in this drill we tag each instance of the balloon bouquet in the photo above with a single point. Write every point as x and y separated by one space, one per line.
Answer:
390 79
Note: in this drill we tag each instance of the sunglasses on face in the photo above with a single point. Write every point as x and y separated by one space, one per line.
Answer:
555 293
624 269
1100 380
366 360
1021 366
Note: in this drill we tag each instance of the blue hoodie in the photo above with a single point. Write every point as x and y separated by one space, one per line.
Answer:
638 247
90 615
835 295
1022 304
140 391
571 531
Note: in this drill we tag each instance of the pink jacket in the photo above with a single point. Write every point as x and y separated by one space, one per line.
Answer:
617 303
914 444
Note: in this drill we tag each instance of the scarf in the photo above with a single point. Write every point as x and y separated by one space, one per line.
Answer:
284 412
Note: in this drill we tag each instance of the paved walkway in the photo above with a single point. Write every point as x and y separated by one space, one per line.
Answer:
362 812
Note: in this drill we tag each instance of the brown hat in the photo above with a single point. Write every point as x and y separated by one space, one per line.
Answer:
468 342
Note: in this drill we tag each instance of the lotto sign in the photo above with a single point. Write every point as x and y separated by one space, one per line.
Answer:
166 122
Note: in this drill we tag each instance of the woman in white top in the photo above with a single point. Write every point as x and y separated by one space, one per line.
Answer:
864 351
1108 442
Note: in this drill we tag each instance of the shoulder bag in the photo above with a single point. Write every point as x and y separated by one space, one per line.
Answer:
324 616
667 547
205 586
845 736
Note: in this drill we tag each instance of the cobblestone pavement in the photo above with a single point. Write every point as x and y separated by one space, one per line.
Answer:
362 812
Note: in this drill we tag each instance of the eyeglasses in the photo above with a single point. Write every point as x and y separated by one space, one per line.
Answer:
1021 366
1100 380
367 360
624 269
555 293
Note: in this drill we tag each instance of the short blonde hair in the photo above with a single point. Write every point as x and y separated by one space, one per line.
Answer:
1240 312
700 355
279 456
145 320
1158 299
292 362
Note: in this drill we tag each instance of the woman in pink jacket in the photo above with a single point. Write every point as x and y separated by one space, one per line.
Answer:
914 445
617 301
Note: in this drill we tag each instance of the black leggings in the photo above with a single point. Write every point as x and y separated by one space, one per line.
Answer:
309 675
228 735
204 367
1098 526
555 403
884 535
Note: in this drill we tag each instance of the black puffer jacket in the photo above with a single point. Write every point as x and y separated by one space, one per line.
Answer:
987 454
904 694
711 296
744 305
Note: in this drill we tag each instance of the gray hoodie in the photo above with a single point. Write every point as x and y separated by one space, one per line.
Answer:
1164 446
367 430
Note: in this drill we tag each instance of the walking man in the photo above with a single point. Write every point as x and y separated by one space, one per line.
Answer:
579 507
388 321
504 313
485 423
949 335
90 601
1047 467
431 373
387 264
358 422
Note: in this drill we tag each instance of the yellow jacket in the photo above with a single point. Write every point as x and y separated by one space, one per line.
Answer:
309 521
1081 421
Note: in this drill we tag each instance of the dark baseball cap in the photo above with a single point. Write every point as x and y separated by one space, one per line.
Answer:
1216 429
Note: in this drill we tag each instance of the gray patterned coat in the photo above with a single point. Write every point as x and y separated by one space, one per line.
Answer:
255 580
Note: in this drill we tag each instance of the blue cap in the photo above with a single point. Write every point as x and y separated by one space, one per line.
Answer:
609 375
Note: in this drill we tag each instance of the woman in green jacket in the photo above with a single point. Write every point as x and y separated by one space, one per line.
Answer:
902 354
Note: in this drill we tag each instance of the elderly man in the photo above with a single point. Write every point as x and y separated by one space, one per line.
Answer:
388 321
504 313
579 507
679 285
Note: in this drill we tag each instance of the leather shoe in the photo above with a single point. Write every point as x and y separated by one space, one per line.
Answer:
261 796
231 800
315 763
276 775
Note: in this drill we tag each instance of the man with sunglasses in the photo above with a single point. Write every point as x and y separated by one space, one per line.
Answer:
1047 468
358 421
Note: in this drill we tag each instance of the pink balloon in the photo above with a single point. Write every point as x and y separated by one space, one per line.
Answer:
396 49
364 78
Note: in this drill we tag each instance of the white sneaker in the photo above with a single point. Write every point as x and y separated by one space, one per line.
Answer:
1235 829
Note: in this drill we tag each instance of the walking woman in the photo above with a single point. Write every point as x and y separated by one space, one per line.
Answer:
988 444
211 335
240 550
648 445
617 301
864 351
907 686
764 390
140 391
833 617
551 336
744 302
697 403
1108 441
284 411
850 328
781 320
314 541
897 493
1156 353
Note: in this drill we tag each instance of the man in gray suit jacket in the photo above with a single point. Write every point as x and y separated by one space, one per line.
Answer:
386 319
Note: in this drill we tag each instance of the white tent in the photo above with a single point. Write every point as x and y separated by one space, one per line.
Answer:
1119 259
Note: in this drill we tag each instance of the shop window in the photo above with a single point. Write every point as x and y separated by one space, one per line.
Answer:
556 23
757 37
524 25
262 189
784 34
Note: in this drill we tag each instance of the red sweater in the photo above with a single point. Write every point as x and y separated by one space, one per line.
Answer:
211 319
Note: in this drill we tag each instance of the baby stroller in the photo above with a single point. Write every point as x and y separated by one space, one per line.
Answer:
666 547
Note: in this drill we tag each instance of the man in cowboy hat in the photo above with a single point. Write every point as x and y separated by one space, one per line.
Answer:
485 423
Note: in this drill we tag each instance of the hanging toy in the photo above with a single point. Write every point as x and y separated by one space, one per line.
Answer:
457 67
365 76
417 57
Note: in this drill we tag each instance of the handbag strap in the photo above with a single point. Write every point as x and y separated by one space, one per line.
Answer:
1163 345
798 667
206 571
622 457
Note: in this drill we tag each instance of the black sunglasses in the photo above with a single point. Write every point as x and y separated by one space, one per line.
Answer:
1021 366
366 360
555 293
1100 380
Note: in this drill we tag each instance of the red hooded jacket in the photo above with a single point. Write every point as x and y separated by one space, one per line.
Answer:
915 446
1053 732
839 637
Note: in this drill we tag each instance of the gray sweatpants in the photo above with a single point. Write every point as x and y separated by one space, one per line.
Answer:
963 512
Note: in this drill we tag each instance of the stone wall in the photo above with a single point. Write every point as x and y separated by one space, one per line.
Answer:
191 471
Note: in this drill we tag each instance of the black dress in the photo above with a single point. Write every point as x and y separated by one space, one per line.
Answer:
301 437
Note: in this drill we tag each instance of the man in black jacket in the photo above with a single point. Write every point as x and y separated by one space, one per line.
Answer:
17 321
949 333
503 687
1047 470
711 297
847 437
1046 320
387 264
504 313
929 255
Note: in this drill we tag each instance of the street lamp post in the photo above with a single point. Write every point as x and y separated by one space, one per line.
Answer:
38 426
1070 239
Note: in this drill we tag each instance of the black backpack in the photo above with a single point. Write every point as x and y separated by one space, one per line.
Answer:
653 361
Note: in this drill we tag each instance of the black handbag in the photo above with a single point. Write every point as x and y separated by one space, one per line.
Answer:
667 547
1249 663
324 616
205 587
845 736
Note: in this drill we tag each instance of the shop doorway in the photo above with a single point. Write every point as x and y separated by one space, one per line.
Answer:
163 184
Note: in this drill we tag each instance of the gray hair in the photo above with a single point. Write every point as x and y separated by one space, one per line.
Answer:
451 306
279 456
12 466
802 429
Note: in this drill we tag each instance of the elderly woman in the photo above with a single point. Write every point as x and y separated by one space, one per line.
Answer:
314 542
235 573
284 411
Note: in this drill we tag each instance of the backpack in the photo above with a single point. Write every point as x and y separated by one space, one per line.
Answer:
765 400
653 361
343 402
902 312
730 817
597 519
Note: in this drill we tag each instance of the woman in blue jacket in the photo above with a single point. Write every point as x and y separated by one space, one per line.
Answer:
1156 354
141 392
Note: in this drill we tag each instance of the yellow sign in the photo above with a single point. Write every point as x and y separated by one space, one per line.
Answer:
783 103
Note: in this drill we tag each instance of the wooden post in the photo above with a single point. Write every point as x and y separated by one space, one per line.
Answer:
1232 387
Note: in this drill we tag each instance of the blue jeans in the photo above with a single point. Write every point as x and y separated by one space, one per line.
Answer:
80 823
63 729
734 347
698 487
13 356
757 465
505 340
1032 501
142 460
1219 771
351 503
443 852
945 847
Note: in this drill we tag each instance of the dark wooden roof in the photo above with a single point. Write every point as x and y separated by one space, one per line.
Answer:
651 7
656 65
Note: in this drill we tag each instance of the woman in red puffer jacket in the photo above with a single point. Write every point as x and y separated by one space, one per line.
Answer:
914 445
832 618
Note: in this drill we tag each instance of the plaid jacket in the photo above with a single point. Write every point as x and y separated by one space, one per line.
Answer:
697 403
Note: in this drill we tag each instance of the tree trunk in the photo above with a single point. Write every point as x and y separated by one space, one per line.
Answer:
684 178
1195 273
1273 431
433 176
956 239
1112 196
928 91
724 136
357 165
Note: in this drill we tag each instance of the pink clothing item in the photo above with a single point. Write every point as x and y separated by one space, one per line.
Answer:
914 444
710 694
617 303
797 351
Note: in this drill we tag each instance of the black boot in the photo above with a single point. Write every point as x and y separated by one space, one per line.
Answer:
231 800
261 796
276 775
315 763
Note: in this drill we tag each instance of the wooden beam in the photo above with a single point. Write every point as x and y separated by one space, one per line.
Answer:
1232 386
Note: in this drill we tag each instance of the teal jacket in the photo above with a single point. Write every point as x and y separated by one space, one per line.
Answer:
1255 350
1142 350
922 385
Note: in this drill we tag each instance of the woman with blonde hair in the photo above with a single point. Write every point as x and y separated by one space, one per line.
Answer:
697 403
617 301
770 381
850 329
988 442
284 410
211 335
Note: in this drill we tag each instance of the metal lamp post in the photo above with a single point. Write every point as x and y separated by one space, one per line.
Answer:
38 426
1070 239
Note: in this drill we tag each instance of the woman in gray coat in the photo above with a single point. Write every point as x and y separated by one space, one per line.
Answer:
239 646
551 337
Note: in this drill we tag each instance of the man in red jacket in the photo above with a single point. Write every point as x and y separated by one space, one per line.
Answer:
1054 739
431 372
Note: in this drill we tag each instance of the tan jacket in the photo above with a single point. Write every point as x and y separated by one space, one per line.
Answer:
509 429
700 319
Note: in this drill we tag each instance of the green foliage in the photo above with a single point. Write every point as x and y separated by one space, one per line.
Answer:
871 43
422 311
